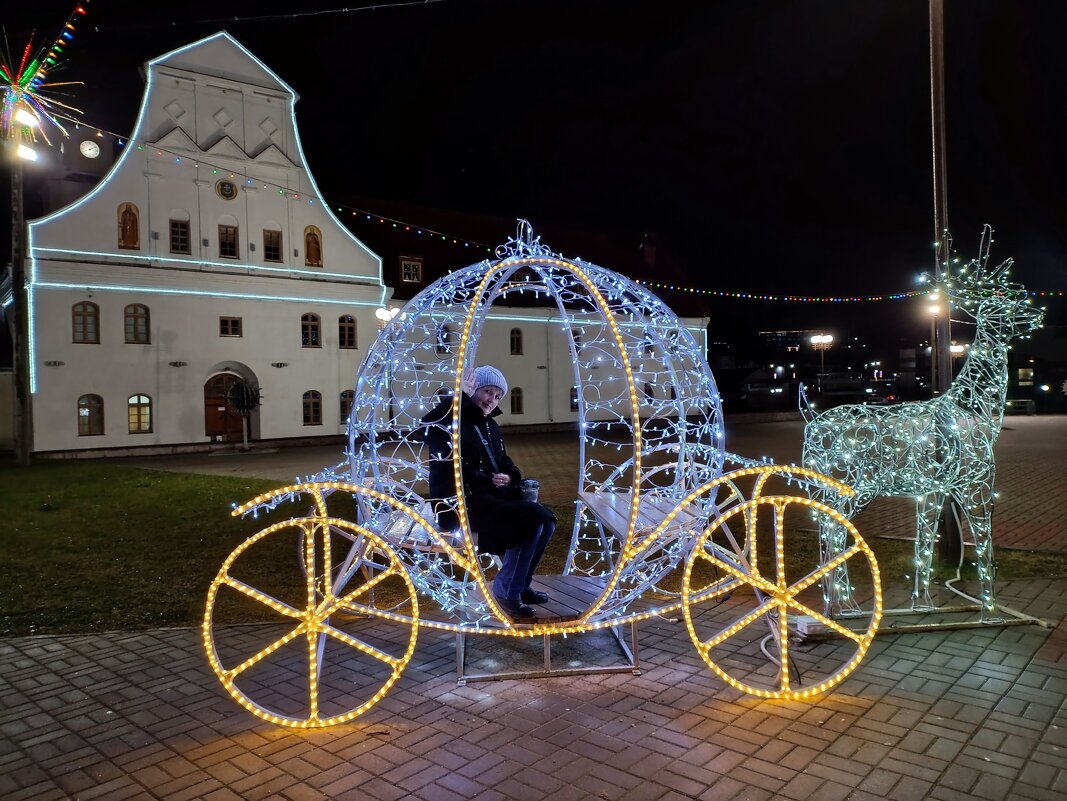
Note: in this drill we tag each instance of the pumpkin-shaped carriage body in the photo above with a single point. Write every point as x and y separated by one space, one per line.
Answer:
658 527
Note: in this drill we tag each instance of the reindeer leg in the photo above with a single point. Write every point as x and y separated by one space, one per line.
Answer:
836 585
928 515
977 507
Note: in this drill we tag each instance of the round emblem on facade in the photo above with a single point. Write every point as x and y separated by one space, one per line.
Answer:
227 189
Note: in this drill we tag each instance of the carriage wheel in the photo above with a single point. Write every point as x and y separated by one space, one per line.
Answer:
739 608
330 642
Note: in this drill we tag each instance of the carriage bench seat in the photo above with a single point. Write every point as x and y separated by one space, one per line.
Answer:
612 509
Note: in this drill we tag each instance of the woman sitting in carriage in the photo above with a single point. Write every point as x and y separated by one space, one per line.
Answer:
506 524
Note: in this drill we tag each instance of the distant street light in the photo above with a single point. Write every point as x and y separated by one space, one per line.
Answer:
821 343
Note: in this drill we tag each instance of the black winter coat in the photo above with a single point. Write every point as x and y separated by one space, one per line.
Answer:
501 519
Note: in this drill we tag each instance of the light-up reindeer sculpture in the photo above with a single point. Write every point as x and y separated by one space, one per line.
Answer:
934 449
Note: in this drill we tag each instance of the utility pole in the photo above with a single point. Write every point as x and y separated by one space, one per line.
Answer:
951 537
23 422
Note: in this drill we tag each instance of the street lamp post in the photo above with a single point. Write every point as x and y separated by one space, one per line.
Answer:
821 342
935 310
23 434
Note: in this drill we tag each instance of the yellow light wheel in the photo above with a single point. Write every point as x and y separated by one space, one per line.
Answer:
333 635
743 610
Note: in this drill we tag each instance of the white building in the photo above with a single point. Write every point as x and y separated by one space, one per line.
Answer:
206 258
203 258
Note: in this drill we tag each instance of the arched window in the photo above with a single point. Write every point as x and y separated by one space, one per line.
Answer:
312 247
310 331
516 342
85 319
346 331
139 413
136 324
347 398
444 340
516 400
574 399
312 408
129 227
90 416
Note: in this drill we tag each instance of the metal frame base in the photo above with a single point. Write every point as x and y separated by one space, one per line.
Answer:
630 653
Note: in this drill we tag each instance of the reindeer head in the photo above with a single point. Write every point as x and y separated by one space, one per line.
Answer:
997 305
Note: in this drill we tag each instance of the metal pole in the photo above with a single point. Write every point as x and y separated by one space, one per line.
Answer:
23 428
951 538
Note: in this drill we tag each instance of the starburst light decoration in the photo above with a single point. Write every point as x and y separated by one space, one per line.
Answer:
930 450
659 528
29 99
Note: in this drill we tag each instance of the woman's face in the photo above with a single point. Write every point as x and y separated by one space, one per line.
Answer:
487 398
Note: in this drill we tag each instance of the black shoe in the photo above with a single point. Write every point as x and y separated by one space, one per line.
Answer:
533 597
517 609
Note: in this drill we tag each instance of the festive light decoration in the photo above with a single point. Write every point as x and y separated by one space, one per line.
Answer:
930 450
27 98
1047 293
651 452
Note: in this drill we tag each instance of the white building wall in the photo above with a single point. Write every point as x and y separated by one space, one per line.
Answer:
211 112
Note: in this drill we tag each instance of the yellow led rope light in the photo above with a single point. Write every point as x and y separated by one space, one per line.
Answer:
461 503
782 597
313 620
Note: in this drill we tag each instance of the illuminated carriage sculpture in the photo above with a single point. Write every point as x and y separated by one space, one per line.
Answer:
658 526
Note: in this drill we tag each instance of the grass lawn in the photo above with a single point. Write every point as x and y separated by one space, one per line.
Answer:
90 546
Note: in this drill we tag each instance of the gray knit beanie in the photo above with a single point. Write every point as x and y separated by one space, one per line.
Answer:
489 376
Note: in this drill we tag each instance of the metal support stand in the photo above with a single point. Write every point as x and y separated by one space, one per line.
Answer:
630 653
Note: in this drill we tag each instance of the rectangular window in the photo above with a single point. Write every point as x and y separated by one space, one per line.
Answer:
410 270
272 245
1026 376
227 241
179 237
230 327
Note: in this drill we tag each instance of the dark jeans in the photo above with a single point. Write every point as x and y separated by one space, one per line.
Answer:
520 562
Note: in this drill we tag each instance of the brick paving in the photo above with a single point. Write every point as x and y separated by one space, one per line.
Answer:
946 714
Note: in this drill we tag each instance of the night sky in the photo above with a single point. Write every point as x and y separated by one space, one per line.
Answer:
774 147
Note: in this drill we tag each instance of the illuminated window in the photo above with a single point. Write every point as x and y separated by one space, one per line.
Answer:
312 247
272 245
180 240
310 331
346 331
574 399
129 227
227 241
1026 376
85 317
136 324
411 270
516 400
347 398
230 327
516 342
140 414
312 408
90 416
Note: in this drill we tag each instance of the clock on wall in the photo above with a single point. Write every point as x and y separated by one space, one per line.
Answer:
89 149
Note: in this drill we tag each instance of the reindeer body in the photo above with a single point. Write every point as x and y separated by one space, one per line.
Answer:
929 450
